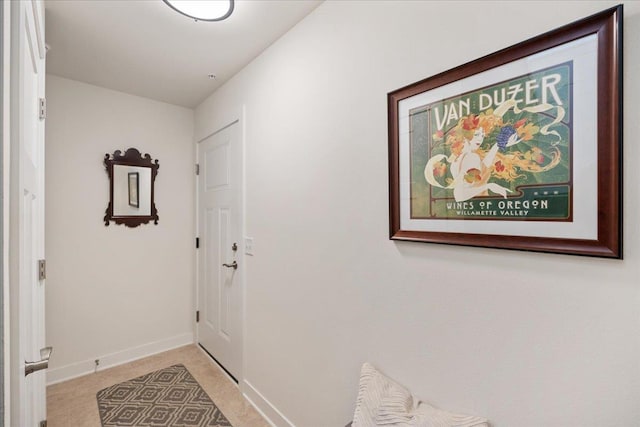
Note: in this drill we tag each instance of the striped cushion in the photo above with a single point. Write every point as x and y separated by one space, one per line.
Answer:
383 402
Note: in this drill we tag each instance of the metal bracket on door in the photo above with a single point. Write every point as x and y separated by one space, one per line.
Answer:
42 269
42 110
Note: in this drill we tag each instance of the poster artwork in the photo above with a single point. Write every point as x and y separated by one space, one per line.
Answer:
502 152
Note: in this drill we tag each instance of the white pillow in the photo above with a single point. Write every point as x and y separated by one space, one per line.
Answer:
383 402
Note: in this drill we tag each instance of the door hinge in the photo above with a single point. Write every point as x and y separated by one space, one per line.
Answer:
43 108
197 169
42 269
197 243
43 423
198 316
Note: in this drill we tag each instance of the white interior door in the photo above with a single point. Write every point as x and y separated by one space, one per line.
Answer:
220 228
28 393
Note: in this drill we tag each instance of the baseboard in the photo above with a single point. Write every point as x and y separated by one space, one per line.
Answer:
264 407
78 369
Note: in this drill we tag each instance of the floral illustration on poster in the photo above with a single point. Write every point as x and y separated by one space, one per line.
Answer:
502 152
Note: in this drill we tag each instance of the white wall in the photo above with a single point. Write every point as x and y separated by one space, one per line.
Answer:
115 292
526 339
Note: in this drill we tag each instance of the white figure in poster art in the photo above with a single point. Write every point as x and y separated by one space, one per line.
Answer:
469 168
471 173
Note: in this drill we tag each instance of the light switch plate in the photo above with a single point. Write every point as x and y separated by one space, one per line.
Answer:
248 246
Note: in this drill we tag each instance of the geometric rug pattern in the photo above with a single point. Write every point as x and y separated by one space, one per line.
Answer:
168 397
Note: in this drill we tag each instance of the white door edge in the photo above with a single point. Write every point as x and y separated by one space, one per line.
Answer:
27 395
6 130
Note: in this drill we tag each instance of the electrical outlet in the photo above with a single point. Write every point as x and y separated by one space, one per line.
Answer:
248 246
97 362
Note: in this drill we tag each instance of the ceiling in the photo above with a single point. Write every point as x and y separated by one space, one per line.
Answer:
145 48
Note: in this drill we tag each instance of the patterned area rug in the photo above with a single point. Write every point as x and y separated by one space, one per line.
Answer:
168 397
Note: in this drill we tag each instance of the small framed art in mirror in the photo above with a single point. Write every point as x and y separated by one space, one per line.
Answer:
131 188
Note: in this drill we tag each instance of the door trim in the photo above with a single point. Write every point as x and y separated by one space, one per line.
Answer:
31 15
4 289
231 117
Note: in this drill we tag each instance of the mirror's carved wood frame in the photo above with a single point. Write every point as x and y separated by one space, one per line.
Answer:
131 157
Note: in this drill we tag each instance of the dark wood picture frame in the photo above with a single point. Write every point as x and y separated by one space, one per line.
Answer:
131 157
607 26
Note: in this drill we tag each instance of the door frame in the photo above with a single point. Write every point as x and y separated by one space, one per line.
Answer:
5 18
228 117
14 364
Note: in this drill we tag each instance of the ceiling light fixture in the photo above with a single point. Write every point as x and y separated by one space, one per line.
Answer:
202 10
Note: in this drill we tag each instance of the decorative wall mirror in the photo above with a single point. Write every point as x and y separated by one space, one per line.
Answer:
131 188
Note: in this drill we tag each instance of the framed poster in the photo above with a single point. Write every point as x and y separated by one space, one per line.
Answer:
520 149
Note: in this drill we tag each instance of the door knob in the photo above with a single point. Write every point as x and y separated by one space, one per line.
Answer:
233 265
30 367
